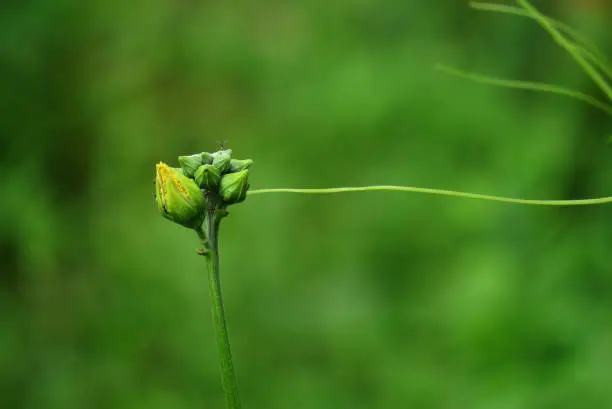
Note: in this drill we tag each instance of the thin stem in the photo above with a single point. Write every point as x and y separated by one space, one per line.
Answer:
534 86
600 62
578 202
228 377
563 42
583 46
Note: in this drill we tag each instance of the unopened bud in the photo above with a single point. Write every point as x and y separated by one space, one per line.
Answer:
234 186
221 160
178 198
189 164
236 165
208 177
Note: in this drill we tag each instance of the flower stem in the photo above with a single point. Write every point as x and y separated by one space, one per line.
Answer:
228 377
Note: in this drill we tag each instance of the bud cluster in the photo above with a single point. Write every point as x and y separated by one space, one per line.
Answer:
204 181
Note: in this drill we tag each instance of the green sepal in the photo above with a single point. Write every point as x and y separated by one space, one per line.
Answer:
208 177
221 160
190 164
236 165
178 198
234 186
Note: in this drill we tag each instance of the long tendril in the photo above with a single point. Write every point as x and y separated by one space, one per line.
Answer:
443 192
589 57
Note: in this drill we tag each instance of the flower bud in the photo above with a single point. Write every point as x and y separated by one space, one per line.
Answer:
234 186
221 160
178 198
236 165
207 158
208 177
190 164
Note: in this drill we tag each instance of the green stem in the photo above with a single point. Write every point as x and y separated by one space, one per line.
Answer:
563 42
582 45
533 86
228 377
576 202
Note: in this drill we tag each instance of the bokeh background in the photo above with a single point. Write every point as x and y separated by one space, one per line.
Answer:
369 300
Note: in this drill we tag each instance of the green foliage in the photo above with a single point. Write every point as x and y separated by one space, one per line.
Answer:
347 301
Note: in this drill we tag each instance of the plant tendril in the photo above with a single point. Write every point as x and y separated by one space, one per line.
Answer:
443 192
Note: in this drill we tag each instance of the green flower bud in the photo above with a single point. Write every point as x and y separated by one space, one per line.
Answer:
234 186
236 165
190 164
178 198
221 160
208 177
207 158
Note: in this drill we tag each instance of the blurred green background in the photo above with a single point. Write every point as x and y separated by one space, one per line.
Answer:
369 300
